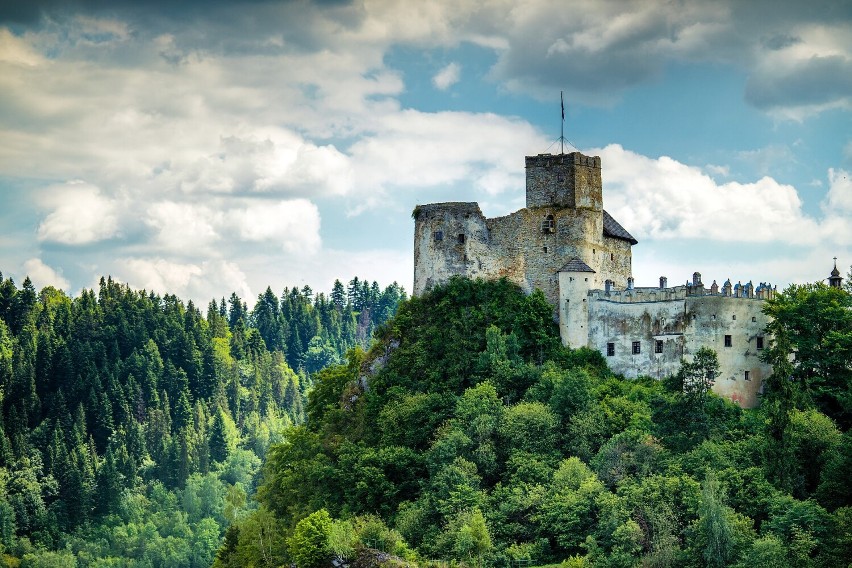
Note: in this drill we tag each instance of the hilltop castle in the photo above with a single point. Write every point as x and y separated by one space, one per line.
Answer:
565 244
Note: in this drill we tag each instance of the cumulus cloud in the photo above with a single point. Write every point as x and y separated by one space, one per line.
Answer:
81 215
839 198
43 275
294 225
196 280
671 200
447 77
416 149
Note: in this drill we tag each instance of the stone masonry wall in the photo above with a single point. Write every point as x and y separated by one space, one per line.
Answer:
684 321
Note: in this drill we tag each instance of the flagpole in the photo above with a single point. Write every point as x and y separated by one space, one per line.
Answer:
562 127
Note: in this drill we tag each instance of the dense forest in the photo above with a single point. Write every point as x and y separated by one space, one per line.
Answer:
133 426
467 434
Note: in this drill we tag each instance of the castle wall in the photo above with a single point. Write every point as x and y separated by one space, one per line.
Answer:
574 307
711 318
643 315
439 252
684 320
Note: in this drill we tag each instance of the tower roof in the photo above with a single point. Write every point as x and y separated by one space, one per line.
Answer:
612 228
575 265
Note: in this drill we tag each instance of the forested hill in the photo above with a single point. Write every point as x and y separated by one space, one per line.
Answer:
133 425
468 434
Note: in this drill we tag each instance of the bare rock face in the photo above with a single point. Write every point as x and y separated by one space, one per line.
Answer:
372 558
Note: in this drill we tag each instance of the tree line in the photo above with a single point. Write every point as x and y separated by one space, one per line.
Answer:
133 426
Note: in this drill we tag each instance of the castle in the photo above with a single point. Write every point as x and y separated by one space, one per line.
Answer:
565 244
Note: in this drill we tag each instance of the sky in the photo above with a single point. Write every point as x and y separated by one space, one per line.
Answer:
207 147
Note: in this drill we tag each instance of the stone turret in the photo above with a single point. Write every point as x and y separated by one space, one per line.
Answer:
564 180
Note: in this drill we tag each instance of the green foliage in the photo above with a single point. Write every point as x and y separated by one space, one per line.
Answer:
132 428
309 545
468 430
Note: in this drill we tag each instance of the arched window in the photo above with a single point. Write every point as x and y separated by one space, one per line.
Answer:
548 224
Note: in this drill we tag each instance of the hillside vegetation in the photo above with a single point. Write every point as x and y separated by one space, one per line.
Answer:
468 434
133 427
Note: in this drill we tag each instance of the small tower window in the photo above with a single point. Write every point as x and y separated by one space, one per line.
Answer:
548 224
610 349
728 342
753 319
658 346
438 236
747 377
545 249
461 238
760 342
637 348
734 318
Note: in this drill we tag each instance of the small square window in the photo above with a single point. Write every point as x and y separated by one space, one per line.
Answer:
760 342
728 341
438 235
713 316
610 349
637 348
734 318
747 377
753 318
461 238
658 346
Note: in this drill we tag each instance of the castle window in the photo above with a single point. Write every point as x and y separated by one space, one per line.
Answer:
658 346
611 256
760 342
438 235
734 318
637 348
747 377
545 249
753 318
548 224
610 349
461 238
727 341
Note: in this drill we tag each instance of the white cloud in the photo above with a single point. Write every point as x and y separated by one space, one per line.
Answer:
447 77
43 275
191 280
18 51
182 226
839 198
665 199
80 215
415 149
294 225
722 171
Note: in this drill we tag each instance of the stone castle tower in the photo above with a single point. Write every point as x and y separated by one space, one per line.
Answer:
562 239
